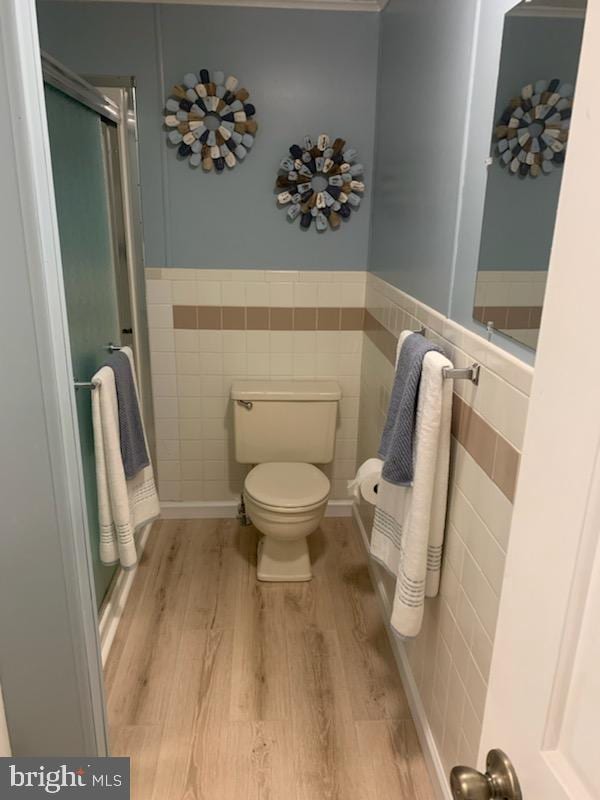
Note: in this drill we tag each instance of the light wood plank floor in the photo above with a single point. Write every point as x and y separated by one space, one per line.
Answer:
223 688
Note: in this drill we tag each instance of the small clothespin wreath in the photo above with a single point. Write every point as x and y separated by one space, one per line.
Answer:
532 133
210 120
321 182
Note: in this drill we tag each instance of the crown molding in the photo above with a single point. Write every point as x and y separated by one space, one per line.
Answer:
312 5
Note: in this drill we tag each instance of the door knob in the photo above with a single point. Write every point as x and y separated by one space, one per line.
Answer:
499 782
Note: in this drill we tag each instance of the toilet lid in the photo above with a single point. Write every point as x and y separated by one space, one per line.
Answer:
287 485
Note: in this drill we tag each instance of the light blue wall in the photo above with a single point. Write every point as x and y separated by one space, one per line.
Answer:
438 72
519 215
307 72
118 39
434 113
422 103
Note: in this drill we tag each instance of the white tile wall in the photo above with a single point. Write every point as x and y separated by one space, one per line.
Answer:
192 370
213 287
510 288
450 659
527 336
505 382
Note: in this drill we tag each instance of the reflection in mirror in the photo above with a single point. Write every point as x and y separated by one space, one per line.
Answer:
538 67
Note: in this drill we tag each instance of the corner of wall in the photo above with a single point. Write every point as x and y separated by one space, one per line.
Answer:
164 175
375 148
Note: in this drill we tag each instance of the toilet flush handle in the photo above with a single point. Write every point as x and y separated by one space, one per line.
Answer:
246 403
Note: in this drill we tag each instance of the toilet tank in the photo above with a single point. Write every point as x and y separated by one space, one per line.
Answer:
284 420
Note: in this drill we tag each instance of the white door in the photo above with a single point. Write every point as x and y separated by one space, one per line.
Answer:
543 705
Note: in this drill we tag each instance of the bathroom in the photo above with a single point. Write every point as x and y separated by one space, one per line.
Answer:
227 658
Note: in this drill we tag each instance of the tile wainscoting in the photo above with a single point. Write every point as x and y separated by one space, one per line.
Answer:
450 659
512 301
210 327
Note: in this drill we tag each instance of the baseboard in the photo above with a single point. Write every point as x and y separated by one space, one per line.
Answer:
114 604
227 509
433 760
199 509
339 508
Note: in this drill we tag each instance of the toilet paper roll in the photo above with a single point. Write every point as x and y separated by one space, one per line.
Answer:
366 480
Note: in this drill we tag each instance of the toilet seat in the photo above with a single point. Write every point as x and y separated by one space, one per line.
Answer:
287 486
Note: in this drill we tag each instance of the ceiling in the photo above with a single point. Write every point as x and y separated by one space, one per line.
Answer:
541 8
320 5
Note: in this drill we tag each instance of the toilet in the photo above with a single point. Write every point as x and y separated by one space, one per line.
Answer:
284 428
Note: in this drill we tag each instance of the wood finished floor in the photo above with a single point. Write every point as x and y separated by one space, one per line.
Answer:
223 688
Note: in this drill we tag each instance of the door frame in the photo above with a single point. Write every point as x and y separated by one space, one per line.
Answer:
59 76
554 531
72 573
130 182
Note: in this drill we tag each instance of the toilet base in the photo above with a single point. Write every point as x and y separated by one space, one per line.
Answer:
283 561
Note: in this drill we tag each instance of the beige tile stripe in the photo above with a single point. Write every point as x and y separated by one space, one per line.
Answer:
254 318
510 317
494 454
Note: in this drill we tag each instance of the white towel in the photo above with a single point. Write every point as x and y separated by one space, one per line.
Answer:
123 505
408 528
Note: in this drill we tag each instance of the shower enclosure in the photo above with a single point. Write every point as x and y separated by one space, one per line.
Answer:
94 162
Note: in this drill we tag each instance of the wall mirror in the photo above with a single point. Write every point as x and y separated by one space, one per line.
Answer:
536 85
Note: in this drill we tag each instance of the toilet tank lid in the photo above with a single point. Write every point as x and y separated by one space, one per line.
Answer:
285 390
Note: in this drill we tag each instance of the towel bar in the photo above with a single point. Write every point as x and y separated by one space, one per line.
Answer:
112 348
459 374
463 374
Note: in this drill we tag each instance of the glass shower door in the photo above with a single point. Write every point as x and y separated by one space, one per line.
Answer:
78 145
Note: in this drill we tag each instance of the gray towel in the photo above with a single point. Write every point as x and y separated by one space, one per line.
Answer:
131 432
397 440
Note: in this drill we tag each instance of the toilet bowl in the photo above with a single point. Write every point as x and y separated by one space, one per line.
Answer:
286 502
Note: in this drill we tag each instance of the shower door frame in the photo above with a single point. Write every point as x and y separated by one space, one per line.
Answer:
131 204
74 86
127 247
